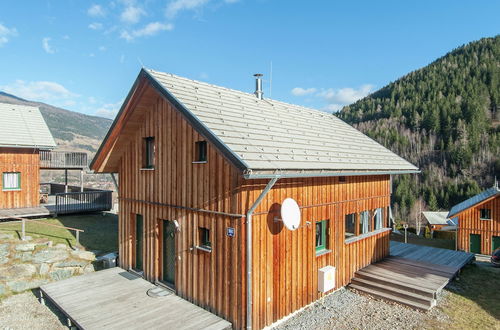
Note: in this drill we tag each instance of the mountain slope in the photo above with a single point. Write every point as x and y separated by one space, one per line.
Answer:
72 131
444 118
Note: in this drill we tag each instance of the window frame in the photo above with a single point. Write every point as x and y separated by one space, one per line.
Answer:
149 156
201 152
17 188
481 214
355 225
205 244
323 247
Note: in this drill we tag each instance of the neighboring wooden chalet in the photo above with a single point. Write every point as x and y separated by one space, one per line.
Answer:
203 171
478 222
23 133
25 149
439 221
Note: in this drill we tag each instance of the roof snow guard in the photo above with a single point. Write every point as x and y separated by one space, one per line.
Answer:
23 126
267 138
479 198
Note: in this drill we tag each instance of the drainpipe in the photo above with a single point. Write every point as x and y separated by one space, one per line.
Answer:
249 248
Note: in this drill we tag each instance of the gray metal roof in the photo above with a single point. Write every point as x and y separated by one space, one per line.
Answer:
473 201
437 218
22 126
270 136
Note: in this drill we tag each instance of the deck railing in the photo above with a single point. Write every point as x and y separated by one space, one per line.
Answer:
62 159
86 201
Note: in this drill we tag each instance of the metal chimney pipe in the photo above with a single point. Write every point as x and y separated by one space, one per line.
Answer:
258 85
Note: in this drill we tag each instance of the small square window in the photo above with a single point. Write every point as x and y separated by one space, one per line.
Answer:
201 151
204 237
342 179
149 152
485 214
321 236
11 181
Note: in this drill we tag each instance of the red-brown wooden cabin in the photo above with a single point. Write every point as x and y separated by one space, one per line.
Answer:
203 171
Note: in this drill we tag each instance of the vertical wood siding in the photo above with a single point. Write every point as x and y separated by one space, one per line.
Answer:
470 223
285 265
25 161
211 280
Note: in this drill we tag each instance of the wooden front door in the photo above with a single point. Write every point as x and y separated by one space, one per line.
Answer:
168 253
475 243
495 243
139 242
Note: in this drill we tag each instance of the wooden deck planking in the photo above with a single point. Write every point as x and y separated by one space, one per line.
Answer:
450 258
108 300
39 211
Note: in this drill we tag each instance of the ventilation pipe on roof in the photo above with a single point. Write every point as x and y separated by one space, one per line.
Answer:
258 85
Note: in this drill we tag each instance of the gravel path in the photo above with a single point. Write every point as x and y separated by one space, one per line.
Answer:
23 311
345 309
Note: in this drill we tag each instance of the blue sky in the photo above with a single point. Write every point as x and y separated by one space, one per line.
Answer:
85 55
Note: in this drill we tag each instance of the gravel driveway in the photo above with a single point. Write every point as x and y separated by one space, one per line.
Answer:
345 309
23 311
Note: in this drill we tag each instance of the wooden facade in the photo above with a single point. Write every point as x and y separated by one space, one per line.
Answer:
214 195
472 229
25 161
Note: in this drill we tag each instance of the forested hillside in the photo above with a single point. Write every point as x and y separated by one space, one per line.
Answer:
444 118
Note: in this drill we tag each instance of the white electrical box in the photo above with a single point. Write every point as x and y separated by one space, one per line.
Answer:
326 278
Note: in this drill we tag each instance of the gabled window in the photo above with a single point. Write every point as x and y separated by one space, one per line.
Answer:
149 152
201 151
11 181
321 236
485 214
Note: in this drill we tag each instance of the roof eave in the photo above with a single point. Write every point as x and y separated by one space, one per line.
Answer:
311 174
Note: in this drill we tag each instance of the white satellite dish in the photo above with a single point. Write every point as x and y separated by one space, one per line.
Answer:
290 213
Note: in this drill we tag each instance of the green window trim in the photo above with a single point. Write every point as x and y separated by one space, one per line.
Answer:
321 236
17 188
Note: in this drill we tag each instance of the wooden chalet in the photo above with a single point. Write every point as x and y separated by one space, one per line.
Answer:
26 148
438 221
478 221
203 171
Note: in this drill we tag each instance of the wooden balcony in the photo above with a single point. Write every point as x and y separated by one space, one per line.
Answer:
63 160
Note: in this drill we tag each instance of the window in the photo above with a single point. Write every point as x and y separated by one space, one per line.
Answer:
149 152
485 214
341 179
364 222
201 151
205 243
321 236
350 225
11 181
379 218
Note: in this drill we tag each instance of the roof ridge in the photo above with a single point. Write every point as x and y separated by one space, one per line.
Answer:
291 105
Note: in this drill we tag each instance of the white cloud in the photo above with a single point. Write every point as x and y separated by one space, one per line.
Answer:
44 91
95 26
132 14
346 95
148 30
96 11
299 91
46 46
174 7
109 110
102 48
6 33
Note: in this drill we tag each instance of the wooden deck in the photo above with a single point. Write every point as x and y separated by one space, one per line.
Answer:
413 275
40 211
116 299
437 256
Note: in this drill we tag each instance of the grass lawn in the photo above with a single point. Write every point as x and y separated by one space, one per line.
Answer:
474 299
101 232
433 242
